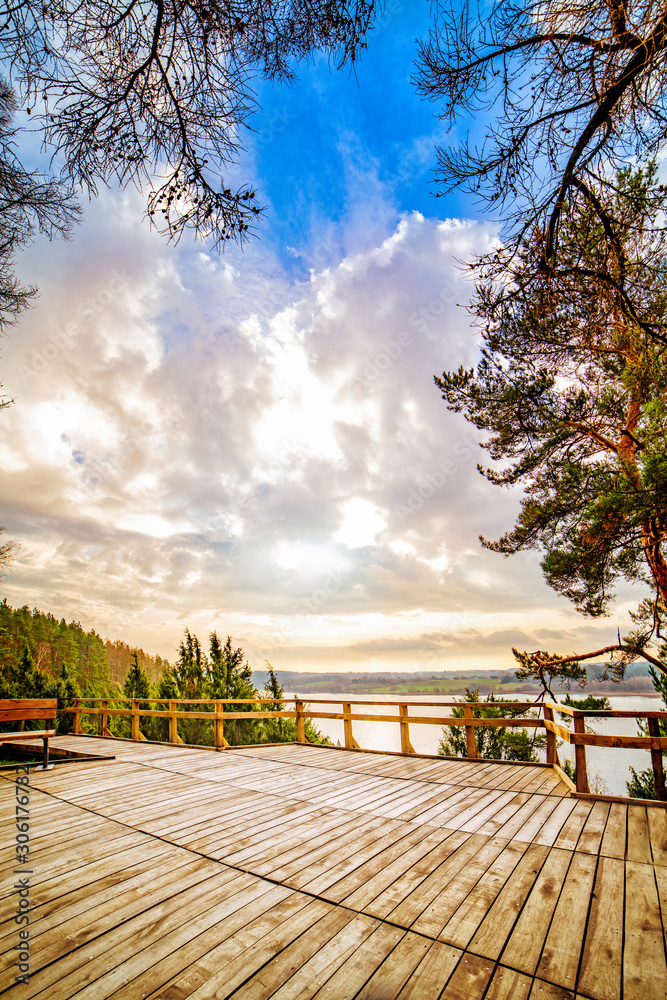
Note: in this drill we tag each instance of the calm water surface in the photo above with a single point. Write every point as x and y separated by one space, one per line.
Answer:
608 767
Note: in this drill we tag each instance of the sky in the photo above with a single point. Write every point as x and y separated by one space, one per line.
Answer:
253 442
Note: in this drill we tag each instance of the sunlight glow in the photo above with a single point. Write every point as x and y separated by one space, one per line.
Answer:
362 523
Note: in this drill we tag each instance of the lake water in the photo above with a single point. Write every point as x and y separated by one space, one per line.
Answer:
608 767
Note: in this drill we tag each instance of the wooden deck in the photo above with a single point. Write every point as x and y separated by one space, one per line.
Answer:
295 872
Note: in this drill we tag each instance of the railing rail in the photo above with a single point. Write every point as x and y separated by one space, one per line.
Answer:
302 710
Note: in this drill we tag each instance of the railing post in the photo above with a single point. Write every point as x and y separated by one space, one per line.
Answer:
300 723
219 725
656 761
580 753
135 720
76 724
173 723
471 743
552 742
350 741
406 745
104 719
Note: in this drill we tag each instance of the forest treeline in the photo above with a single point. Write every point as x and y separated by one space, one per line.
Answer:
64 649
42 656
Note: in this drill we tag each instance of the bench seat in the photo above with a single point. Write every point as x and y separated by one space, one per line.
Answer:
24 709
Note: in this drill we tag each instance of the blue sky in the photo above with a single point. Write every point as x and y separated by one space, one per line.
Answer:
327 143
253 442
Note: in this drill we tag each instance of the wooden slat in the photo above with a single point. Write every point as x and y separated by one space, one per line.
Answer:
427 910
553 826
361 876
657 823
469 980
524 947
543 990
614 837
507 984
430 887
428 979
594 827
375 885
236 960
600 974
401 888
562 949
644 970
326 960
497 926
569 834
361 965
31 734
639 845
456 889
463 924
392 976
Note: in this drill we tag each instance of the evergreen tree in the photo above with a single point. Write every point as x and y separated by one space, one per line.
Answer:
230 676
571 396
136 683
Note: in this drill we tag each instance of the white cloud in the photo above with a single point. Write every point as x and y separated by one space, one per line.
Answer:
206 442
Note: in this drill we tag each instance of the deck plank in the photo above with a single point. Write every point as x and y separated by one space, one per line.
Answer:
508 984
563 946
299 872
524 947
600 973
498 923
644 969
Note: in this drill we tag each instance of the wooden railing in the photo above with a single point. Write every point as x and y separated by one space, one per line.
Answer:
219 714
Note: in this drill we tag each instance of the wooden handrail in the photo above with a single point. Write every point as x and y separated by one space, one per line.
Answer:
577 736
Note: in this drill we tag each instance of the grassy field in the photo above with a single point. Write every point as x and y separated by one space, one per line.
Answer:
447 685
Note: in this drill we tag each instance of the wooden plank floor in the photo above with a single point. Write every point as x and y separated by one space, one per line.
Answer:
296 872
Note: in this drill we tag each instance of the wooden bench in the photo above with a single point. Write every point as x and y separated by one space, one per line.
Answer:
23 709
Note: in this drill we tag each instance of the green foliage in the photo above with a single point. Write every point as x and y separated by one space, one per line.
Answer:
543 669
54 645
570 770
642 783
224 674
495 742
22 679
120 657
588 704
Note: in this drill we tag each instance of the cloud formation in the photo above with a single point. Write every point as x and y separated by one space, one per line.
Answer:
209 442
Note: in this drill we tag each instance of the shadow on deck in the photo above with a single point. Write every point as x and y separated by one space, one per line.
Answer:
295 872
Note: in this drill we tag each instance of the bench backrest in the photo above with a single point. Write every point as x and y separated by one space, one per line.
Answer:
20 709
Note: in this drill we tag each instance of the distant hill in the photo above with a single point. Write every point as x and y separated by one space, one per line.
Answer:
448 682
